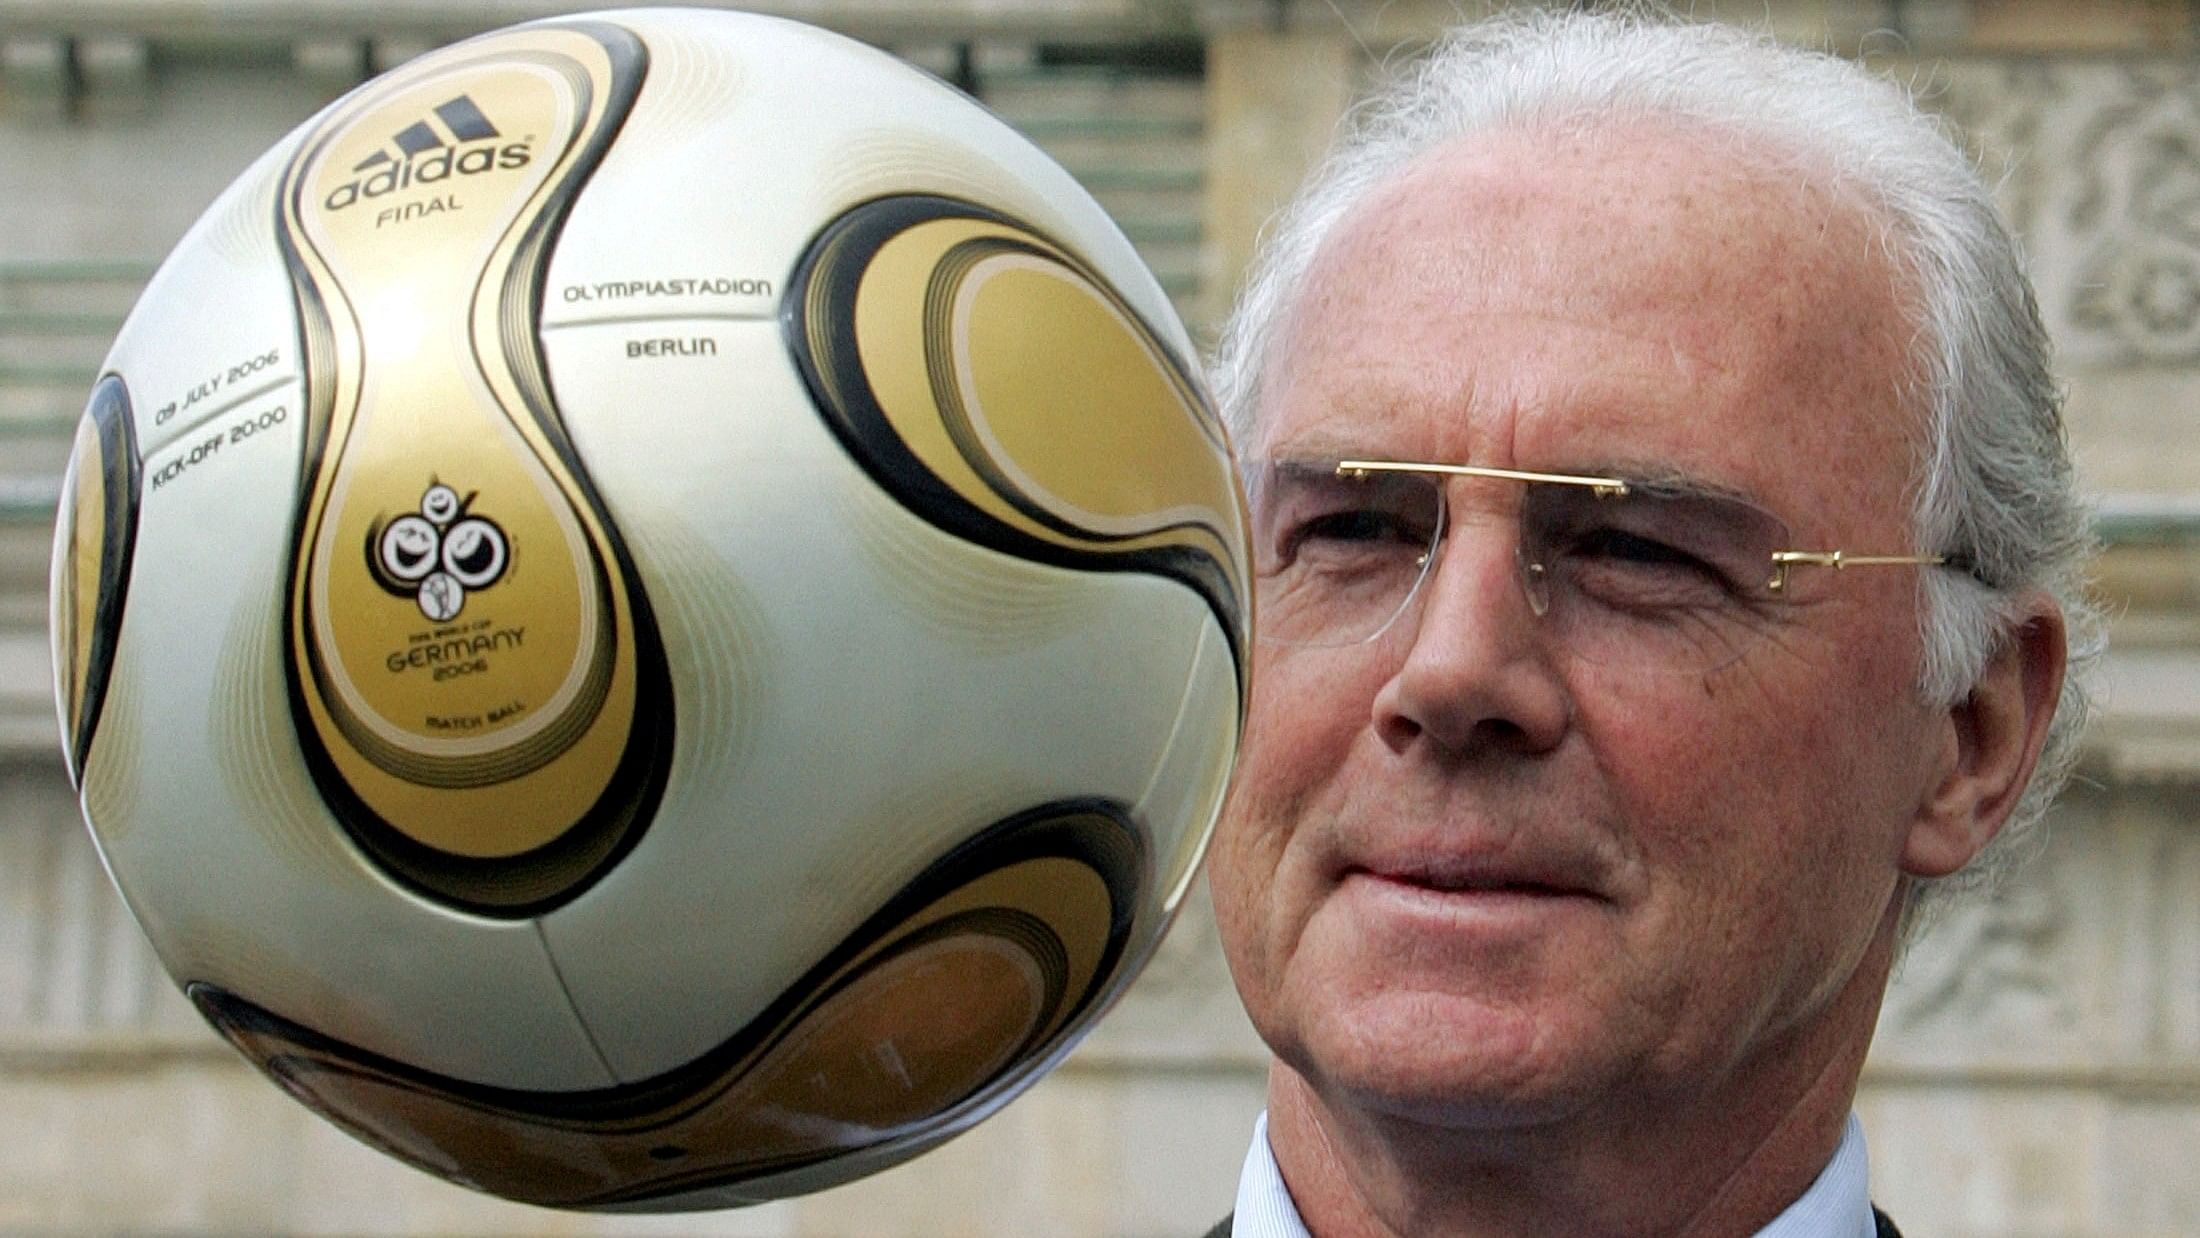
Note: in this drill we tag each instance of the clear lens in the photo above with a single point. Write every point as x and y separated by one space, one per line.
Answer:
1336 558
1658 577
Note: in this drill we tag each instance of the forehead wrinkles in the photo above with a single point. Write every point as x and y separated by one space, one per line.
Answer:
1715 257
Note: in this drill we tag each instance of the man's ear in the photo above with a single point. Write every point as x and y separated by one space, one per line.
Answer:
1994 740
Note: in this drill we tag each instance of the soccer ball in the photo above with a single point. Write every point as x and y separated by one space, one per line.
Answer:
649 612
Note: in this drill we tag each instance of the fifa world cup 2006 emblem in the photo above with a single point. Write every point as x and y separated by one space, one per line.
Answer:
439 554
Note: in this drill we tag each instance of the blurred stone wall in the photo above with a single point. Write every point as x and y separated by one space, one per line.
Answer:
2038 1068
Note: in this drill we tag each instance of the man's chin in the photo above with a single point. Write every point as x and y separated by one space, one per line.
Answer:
1445 1061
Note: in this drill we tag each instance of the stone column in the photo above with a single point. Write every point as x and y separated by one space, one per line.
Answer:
1273 101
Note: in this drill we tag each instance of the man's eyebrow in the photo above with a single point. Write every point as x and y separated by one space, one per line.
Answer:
1315 449
1322 455
1319 457
1670 482
1305 462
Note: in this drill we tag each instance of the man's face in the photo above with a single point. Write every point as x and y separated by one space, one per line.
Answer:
1469 878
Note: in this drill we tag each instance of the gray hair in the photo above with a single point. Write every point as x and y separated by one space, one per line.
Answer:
1995 485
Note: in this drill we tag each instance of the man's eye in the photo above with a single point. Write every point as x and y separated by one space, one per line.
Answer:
1353 540
1618 546
1352 526
1633 570
1359 536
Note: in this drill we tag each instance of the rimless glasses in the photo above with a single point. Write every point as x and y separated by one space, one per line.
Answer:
1619 571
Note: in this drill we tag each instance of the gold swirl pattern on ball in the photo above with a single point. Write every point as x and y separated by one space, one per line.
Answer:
997 387
480 684
977 970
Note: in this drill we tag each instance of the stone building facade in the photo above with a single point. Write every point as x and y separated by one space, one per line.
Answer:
2038 1069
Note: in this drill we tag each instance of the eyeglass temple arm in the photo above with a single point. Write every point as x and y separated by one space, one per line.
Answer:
1782 560
1604 486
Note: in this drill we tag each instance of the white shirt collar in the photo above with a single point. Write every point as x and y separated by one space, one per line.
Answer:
1837 1205
1264 1207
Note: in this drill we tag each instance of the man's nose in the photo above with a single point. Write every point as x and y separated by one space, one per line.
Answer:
1477 672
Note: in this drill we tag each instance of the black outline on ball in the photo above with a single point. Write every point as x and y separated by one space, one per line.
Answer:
122 477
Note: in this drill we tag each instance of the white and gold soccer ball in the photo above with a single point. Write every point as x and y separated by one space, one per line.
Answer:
649 612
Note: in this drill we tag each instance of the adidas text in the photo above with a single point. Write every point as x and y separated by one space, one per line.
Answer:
443 164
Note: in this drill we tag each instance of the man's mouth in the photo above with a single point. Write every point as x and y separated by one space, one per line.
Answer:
1478 886
1469 879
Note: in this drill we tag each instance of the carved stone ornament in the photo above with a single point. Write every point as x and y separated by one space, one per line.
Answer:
1994 973
2098 166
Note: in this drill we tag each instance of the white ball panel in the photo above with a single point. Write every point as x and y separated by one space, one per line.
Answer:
1185 795
822 822
216 322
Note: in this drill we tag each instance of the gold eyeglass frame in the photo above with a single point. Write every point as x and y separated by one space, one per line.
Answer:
1614 487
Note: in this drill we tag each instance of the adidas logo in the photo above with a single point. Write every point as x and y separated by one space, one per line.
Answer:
423 157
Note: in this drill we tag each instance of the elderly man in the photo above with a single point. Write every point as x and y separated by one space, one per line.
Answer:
1668 569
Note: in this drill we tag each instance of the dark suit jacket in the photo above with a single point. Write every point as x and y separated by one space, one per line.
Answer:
1886 1227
